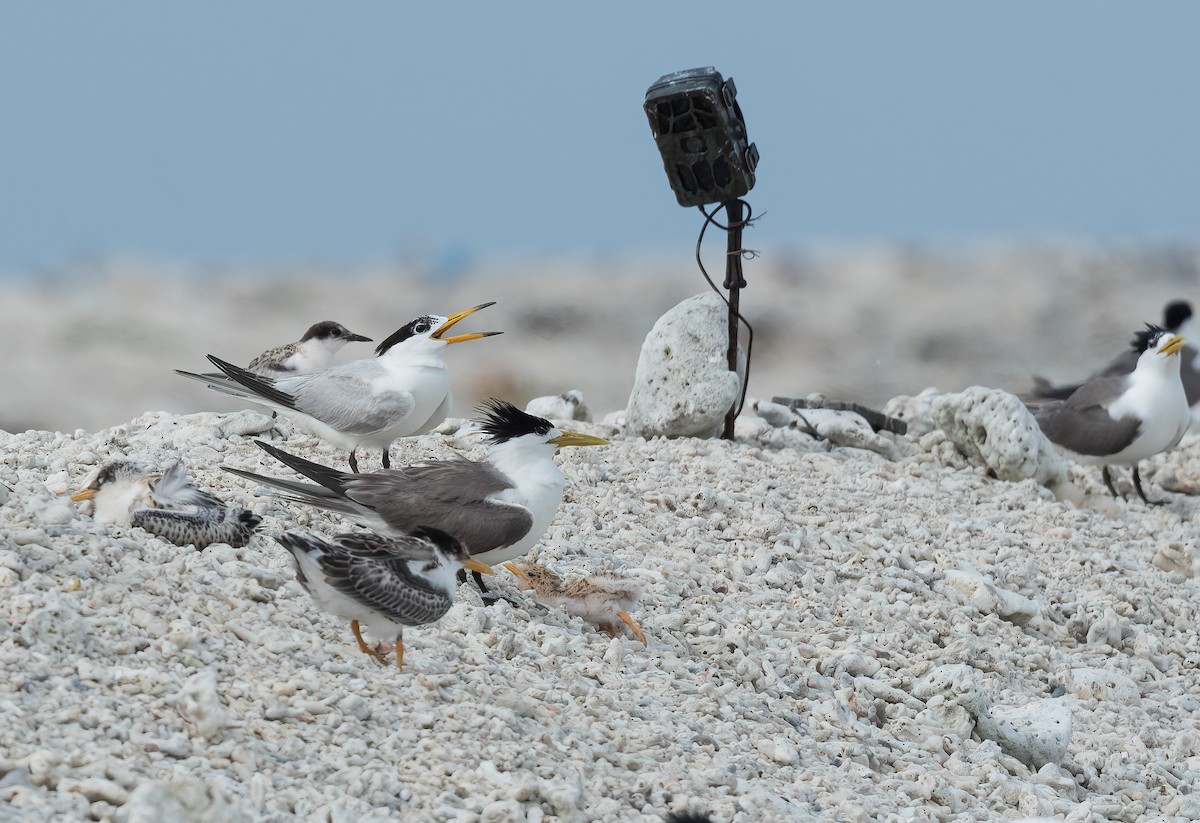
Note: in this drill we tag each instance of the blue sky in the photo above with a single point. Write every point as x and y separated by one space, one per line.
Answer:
289 133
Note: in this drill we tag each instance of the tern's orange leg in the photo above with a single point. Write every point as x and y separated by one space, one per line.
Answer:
400 652
632 624
362 644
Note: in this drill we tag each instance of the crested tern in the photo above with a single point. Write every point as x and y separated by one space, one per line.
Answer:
1178 319
404 390
122 494
1124 419
598 598
384 583
498 507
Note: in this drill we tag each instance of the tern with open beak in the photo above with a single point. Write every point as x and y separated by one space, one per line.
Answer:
1125 419
383 583
404 390
498 507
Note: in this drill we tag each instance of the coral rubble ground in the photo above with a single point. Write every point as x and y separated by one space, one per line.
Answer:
834 634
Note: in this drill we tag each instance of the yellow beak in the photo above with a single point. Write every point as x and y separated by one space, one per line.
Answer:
454 318
517 570
471 564
1173 345
83 494
577 439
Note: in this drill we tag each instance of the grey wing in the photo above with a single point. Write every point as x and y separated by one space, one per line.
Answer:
451 495
1123 363
381 579
342 398
1082 424
204 526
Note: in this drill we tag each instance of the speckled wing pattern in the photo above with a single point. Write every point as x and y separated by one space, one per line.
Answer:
269 363
374 571
1082 423
205 525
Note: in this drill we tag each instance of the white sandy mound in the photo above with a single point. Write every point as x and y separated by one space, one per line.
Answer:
833 635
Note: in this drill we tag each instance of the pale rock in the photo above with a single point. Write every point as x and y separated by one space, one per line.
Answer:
200 705
1177 557
181 801
916 412
1106 629
1036 733
980 592
840 428
1102 684
566 406
94 789
683 386
57 625
993 429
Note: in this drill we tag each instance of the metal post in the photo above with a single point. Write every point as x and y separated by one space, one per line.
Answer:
735 283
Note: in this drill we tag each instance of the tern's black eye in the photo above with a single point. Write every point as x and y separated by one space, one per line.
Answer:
421 327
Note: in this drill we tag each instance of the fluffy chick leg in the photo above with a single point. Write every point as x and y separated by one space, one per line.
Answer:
633 626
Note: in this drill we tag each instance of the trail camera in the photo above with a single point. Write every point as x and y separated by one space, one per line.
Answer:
701 135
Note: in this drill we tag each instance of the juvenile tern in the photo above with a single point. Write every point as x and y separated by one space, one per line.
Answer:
499 507
598 598
404 390
313 352
166 505
1124 419
1178 319
383 583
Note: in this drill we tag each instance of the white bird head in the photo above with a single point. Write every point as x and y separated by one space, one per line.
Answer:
1158 348
449 555
427 333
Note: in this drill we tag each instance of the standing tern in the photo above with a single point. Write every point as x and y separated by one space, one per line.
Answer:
384 583
1178 319
404 390
1124 419
499 507
166 505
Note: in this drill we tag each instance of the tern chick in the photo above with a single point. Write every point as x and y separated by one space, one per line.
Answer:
597 598
404 390
166 505
383 583
313 352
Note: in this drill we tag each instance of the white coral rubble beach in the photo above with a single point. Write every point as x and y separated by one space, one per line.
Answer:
834 633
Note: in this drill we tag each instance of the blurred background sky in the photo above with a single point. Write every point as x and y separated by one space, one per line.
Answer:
280 133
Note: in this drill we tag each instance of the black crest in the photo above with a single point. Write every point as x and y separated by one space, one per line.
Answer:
504 421
1176 313
421 325
1148 339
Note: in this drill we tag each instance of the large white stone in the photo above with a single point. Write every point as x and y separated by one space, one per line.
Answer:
683 386
993 428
